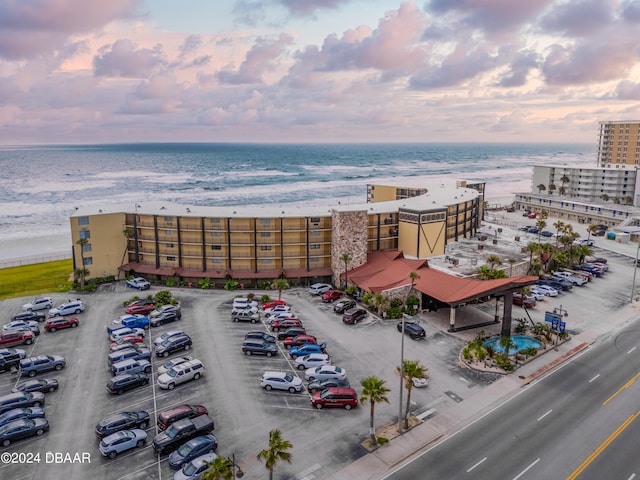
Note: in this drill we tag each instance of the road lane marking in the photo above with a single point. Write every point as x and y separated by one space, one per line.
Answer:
526 469
625 386
602 447
474 466
633 475
629 351
544 414
594 378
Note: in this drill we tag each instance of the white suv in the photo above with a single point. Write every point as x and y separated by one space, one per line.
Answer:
281 381
38 303
67 309
191 370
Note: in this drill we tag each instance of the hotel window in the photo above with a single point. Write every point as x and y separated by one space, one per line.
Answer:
314 259
216 247
171 259
85 234
169 245
168 219
87 261
266 260
216 260
265 221
315 232
168 232
83 220
314 246
265 247
86 247
315 220
265 234
216 234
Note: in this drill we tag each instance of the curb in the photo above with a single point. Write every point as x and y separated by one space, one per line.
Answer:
542 370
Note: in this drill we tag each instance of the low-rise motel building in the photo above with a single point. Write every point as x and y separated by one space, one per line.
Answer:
256 244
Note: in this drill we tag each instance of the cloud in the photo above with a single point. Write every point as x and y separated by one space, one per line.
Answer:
33 27
579 18
627 90
123 59
631 11
259 60
303 8
519 69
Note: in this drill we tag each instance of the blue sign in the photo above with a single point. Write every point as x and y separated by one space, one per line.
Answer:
557 325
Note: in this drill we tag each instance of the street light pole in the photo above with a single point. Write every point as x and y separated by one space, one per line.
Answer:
635 270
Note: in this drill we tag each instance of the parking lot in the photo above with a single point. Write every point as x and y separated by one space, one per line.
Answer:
323 441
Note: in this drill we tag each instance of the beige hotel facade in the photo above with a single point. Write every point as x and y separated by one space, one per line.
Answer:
254 244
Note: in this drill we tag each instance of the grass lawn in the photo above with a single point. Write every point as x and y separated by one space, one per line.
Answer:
35 279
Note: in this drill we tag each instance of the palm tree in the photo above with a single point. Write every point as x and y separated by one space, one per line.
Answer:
493 260
562 190
541 187
82 272
378 302
280 284
559 226
540 224
564 179
374 391
604 197
411 369
593 228
276 451
345 259
552 187
220 469
511 262
413 276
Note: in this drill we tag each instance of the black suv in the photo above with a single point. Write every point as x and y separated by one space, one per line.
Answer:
10 359
173 344
412 329
344 305
260 336
122 421
21 400
259 347
29 316
122 383
354 315
165 317
291 332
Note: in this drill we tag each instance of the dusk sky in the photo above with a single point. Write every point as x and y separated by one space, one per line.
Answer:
79 71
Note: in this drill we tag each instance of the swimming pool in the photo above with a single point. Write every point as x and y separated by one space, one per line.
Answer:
521 342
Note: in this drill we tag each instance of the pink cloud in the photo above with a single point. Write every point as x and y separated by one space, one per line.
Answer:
627 90
579 18
123 59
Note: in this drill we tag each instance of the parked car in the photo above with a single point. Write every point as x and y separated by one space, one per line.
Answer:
174 362
180 412
331 295
281 381
519 300
249 315
192 449
575 279
73 307
134 321
581 242
535 294
22 325
532 215
126 341
346 398
17 337
291 332
589 268
353 316
546 233
595 260
273 303
306 349
166 309
325 372
320 385
181 432
140 309
196 468
344 305
184 372
166 336
44 385
122 383
319 288
38 303
419 382
21 400
277 309
31 366
10 359
312 360
281 316
142 301
131 366
22 428
260 336
299 340
122 421
173 344
240 303
545 290
121 441
18 413
133 352
259 347
277 325
59 323
413 329
167 316
138 282
118 332
29 315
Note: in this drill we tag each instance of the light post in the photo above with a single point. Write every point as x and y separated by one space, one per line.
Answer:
635 270
239 473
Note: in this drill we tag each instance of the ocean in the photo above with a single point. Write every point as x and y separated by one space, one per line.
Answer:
42 185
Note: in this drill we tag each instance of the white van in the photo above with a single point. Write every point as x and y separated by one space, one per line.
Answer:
191 370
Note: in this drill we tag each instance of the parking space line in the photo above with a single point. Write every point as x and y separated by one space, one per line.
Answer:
293 408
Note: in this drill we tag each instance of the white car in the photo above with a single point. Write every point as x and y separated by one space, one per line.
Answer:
576 280
535 295
73 307
38 303
581 242
172 363
312 360
420 382
277 309
184 372
139 283
324 372
124 332
280 316
281 381
319 288
240 303
546 290
247 310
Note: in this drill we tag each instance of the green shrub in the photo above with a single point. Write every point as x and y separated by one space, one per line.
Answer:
231 285
265 285
351 289
366 298
382 440
163 297
170 283
395 303
531 351
394 312
204 283
521 326
466 354
503 362
265 298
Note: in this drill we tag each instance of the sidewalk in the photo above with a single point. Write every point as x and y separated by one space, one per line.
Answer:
400 450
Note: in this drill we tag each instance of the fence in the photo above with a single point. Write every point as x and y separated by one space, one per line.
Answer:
19 262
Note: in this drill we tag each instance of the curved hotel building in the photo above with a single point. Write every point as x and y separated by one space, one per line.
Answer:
253 244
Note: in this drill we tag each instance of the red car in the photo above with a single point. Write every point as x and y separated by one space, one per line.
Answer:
16 337
299 340
285 323
532 215
168 417
526 302
59 323
331 295
140 309
128 339
273 303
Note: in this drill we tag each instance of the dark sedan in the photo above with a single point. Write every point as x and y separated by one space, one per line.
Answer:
344 305
122 421
18 413
121 383
412 329
44 385
193 448
291 332
319 385
23 428
173 344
